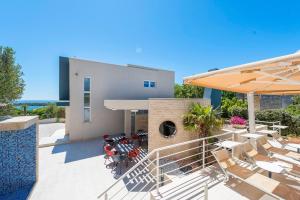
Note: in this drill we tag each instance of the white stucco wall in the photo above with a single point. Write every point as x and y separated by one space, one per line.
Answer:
110 81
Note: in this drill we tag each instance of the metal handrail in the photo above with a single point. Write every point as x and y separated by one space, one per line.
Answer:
153 157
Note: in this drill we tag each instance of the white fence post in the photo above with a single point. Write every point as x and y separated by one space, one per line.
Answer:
206 191
203 154
157 171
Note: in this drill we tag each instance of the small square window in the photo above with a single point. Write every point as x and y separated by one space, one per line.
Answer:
146 83
152 84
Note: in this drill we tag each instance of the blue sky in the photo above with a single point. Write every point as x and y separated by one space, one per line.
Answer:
185 36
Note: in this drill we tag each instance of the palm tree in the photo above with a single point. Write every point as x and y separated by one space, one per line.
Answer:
202 120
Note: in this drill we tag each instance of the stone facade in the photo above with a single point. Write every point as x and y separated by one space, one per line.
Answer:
161 110
264 102
17 159
274 102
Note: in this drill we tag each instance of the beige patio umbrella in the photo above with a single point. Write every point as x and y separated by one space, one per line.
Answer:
275 76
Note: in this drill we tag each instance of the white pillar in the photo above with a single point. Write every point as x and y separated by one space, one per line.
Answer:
251 112
127 122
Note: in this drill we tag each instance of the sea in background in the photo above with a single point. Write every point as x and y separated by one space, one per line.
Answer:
32 104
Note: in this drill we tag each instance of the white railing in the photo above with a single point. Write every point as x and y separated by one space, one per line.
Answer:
161 166
269 123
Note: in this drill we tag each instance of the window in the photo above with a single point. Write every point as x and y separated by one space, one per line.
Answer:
87 84
167 129
149 84
146 84
87 99
152 84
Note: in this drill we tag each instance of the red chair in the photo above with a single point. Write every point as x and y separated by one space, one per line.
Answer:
124 141
135 137
109 153
105 137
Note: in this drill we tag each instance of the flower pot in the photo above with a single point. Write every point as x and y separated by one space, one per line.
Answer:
238 126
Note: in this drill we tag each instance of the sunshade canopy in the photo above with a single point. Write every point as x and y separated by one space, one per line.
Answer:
275 76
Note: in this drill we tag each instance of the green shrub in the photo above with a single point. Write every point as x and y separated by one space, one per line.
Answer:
50 111
9 109
234 107
61 112
238 111
293 122
294 108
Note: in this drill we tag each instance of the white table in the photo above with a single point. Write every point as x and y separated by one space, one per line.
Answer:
267 132
270 167
252 135
279 127
228 144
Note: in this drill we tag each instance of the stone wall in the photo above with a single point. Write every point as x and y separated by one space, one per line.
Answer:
274 102
161 110
17 159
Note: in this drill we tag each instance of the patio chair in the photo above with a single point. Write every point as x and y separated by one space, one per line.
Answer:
109 153
252 155
263 183
285 143
135 139
263 142
134 153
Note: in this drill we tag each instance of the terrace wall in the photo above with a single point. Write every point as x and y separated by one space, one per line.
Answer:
18 155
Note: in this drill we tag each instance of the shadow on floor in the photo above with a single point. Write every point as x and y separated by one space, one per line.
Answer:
80 150
20 194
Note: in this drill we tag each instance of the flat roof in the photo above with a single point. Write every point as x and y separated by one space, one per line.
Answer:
126 104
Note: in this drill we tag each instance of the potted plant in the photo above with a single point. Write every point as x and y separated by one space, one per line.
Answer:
238 122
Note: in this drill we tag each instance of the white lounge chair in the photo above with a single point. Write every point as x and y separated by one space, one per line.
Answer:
263 183
263 142
253 156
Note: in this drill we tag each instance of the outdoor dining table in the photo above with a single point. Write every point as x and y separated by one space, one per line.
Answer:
279 127
266 132
252 136
124 148
229 144
142 134
270 167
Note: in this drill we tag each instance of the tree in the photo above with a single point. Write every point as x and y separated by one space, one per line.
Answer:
202 120
188 91
11 81
294 108
228 95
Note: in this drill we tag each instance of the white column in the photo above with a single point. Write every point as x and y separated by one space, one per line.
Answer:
127 122
251 111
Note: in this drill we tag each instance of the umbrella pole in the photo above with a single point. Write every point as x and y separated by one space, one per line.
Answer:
251 111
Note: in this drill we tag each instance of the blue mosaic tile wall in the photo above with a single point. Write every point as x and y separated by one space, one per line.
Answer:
17 159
